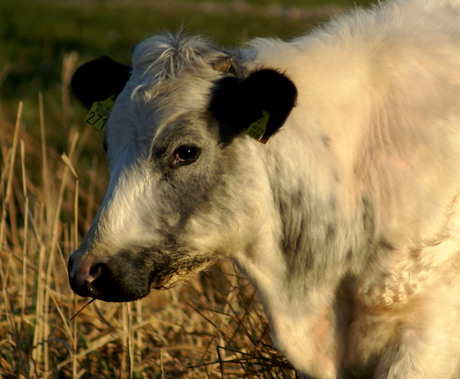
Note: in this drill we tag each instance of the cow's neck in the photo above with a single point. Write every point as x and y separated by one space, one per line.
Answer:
301 272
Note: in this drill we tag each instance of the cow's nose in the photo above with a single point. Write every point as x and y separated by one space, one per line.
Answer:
115 278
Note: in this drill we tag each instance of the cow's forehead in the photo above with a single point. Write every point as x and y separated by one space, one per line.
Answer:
141 114
161 60
172 75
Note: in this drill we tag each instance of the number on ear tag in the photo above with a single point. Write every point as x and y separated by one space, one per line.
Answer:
99 113
258 128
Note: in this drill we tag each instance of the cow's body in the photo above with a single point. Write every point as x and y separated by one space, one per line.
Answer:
347 221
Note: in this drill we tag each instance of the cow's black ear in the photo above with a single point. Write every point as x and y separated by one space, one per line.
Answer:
258 105
99 79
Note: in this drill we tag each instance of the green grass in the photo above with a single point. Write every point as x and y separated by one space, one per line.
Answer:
35 35
53 177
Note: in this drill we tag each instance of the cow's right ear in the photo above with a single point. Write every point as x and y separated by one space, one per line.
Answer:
98 80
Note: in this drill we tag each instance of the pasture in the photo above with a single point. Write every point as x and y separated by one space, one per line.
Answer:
53 176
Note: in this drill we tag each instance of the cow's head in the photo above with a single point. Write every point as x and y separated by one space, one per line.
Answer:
186 182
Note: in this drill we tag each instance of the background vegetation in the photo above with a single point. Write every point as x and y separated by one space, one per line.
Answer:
53 177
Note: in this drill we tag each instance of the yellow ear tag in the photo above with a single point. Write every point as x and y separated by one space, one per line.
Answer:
257 129
99 113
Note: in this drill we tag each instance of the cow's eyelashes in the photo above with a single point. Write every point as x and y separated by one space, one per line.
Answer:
185 155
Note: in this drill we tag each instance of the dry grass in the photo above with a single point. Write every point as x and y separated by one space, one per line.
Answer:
212 326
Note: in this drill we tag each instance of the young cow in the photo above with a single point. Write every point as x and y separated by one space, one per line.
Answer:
345 218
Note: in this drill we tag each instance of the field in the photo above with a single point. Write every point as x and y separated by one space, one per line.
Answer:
53 177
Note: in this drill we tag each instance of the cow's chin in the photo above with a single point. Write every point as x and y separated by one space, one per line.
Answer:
128 276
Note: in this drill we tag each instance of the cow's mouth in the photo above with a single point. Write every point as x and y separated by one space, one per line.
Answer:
129 276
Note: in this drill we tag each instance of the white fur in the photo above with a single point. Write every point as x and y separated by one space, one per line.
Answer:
384 86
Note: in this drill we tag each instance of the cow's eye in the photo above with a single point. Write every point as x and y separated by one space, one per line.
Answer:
185 154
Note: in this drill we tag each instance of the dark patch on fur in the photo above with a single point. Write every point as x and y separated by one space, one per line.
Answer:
326 140
344 316
385 245
295 242
415 253
331 232
368 217
99 79
343 308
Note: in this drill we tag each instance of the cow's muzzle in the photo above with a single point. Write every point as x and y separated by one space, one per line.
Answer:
116 278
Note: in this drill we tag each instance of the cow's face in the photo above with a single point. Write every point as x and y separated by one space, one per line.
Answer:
184 182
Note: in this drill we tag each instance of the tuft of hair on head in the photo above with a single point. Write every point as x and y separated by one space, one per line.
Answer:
164 57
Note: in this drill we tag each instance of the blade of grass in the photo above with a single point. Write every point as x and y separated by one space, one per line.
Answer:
10 169
26 232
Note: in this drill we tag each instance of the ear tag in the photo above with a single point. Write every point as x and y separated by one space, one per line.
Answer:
99 113
257 129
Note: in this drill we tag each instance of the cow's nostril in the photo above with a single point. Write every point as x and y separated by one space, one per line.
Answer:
85 276
99 280
96 270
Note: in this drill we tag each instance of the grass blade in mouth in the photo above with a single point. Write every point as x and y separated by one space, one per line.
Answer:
79 311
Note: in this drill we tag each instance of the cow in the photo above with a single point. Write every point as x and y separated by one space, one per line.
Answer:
326 168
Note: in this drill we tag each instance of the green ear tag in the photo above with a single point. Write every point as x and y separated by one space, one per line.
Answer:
257 129
99 113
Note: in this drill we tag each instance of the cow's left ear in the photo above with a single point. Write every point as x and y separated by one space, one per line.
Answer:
258 105
98 80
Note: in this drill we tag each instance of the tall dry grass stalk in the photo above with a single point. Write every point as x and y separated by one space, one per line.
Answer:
211 327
